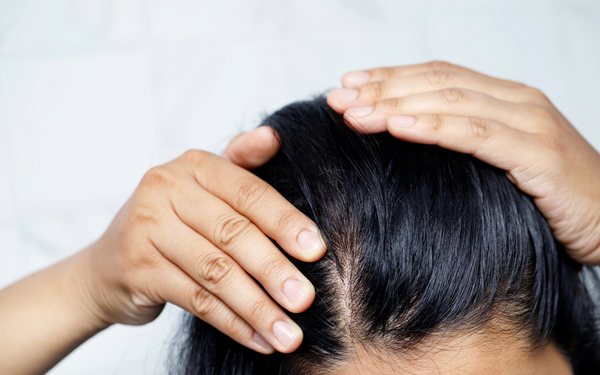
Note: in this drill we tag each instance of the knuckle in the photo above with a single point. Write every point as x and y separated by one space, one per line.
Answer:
440 65
556 146
249 192
214 268
258 310
193 155
202 302
159 177
228 228
539 118
454 96
385 73
272 268
144 216
193 161
535 95
438 77
377 89
287 221
479 128
140 260
436 123
235 326
394 104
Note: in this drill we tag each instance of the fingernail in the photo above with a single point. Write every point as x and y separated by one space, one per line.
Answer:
309 241
294 291
354 79
267 130
284 332
262 342
398 121
359 112
344 95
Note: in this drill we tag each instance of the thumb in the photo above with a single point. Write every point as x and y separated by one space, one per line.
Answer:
253 149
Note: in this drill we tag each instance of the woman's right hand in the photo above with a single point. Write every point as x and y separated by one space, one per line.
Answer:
193 233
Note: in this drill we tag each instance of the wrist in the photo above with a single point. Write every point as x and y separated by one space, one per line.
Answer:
87 291
104 295
45 316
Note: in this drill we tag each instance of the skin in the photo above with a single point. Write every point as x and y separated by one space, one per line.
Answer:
506 124
191 234
196 228
463 355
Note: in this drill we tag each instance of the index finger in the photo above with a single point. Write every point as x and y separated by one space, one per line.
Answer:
357 78
261 203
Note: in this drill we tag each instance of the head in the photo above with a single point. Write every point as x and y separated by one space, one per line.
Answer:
436 263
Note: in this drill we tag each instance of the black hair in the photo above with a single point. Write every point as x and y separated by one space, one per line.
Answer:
421 241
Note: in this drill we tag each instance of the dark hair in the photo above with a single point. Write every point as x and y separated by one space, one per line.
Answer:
421 241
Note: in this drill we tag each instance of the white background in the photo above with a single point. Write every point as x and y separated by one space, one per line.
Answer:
93 93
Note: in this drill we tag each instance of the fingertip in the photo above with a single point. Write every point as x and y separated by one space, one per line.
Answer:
510 178
367 125
357 126
288 334
311 244
300 294
263 345
359 112
231 147
331 103
263 135
354 79
400 122
253 149
339 99
308 299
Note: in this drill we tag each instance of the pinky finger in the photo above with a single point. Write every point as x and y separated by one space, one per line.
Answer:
493 143
181 290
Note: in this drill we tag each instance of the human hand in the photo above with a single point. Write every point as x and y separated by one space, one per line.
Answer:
506 124
192 233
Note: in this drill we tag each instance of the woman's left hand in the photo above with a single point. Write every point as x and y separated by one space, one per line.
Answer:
506 124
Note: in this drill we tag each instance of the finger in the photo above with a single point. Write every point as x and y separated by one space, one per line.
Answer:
450 102
491 142
179 289
431 80
258 201
220 275
252 150
353 79
238 237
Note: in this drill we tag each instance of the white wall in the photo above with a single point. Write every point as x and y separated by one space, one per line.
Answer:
93 93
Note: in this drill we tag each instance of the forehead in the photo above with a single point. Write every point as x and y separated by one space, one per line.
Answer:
463 356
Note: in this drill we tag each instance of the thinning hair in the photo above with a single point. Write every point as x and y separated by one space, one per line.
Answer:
421 242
